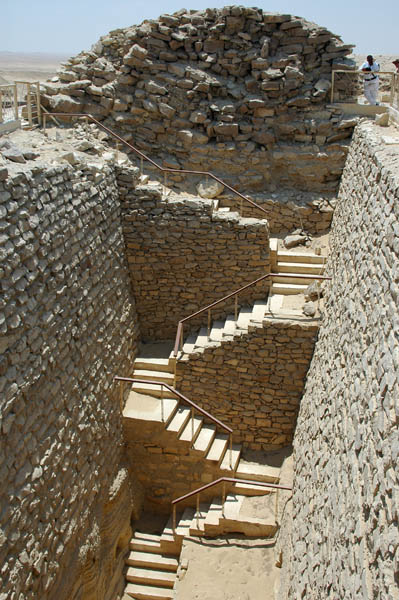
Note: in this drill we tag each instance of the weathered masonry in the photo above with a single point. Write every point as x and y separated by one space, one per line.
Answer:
95 260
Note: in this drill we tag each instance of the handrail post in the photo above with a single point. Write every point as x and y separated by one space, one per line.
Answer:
198 508
29 104
231 450
209 324
223 497
15 91
38 106
162 407
276 507
174 519
121 390
192 426
236 307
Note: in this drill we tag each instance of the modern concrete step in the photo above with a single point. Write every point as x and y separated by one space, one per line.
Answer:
145 542
191 430
202 338
197 524
147 592
204 439
154 376
150 576
238 517
229 326
258 310
216 332
226 464
137 558
179 420
152 389
169 543
257 472
189 344
300 257
297 267
288 288
244 317
218 448
294 278
153 364
211 522
147 408
245 489
275 302
183 527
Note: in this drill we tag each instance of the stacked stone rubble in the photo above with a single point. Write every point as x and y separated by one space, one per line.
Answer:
237 91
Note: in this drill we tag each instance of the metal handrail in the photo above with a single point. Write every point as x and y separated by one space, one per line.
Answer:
223 480
184 399
148 159
179 333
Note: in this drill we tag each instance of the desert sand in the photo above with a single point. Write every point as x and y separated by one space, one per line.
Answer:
16 66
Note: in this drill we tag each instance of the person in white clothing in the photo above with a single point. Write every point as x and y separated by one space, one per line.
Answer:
370 69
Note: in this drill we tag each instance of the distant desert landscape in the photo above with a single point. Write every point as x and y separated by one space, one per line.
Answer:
19 66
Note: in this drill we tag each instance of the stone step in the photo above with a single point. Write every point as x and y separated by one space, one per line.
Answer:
202 338
258 310
257 472
183 527
189 344
238 518
300 257
214 514
275 302
147 592
216 332
296 278
150 576
244 317
204 439
218 448
288 288
146 542
297 267
147 408
153 560
229 326
191 430
154 376
235 458
197 524
179 420
152 389
246 489
153 364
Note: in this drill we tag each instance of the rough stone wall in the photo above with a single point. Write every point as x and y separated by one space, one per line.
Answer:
254 382
237 91
346 493
183 255
68 325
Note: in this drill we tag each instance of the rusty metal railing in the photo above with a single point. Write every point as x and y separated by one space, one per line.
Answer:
194 407
164 170
179 334
223 480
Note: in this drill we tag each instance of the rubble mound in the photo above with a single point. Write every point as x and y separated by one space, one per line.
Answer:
237 91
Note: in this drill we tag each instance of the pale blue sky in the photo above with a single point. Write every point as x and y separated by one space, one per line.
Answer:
71 26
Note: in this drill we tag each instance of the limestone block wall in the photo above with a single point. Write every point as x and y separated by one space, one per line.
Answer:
346 493
183 255
253 383
238 91
68 325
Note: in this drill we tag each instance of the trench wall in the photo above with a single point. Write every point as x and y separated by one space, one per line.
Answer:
253 383
183 255
346 494
68 325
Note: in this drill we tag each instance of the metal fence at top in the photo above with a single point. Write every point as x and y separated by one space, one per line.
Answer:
20 100
347 86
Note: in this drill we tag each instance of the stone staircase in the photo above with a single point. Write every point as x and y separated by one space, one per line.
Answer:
153 559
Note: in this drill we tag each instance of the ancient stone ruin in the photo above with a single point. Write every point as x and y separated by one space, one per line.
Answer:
103 255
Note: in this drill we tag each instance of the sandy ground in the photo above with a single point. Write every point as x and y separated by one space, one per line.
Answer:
228 568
